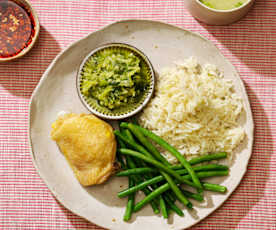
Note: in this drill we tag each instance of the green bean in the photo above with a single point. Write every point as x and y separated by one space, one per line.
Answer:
151 196
131 197
128 134
132 143
195 196
126 137
205 174
163 207
209 157
172 150
209 167
177 191
149 146
157 164
140 186
214 187
138 179
180 171
174 207
130 202
201 159
135 171
159 178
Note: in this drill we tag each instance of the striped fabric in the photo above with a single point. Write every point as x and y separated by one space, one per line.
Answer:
25 201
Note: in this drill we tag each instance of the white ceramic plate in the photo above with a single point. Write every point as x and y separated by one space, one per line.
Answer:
163 44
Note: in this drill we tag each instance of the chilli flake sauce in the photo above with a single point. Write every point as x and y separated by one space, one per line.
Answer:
16 28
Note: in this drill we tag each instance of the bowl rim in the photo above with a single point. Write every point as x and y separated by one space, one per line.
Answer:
224 11
25 50
132 112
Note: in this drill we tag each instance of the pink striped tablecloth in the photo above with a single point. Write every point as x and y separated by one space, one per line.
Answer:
25 201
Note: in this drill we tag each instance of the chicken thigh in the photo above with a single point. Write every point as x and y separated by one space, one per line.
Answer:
88 145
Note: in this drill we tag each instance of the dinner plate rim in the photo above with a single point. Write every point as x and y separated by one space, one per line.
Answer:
44 76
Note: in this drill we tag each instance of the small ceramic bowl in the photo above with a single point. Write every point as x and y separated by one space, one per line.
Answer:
26 5
127 110
216 17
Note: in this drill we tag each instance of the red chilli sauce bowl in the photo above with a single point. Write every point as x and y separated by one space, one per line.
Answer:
19 28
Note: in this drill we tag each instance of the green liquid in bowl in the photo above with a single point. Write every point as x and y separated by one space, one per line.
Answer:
223 4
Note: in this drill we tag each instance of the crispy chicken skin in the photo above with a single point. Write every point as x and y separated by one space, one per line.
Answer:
88 144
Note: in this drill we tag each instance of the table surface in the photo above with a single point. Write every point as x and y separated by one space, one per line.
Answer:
26 202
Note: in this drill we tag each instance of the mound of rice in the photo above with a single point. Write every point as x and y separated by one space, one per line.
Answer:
194 109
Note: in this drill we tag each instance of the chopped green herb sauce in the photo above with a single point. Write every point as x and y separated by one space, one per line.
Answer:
114 77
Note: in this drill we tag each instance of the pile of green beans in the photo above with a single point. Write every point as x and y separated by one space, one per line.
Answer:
162 182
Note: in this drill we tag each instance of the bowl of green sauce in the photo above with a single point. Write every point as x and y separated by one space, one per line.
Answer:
218 12
115 81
